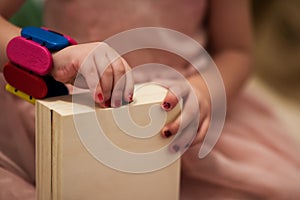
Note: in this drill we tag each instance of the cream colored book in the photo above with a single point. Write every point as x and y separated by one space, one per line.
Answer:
127 159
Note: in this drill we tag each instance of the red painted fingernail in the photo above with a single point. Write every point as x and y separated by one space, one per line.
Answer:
166 105
130 98
100 97
167 133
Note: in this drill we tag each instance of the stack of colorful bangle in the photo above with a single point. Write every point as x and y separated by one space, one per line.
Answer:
30 62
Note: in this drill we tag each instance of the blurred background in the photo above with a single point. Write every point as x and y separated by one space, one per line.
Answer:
277 53
277 57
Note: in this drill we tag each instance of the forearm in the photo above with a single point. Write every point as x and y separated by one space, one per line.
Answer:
230 43
9 32
234 67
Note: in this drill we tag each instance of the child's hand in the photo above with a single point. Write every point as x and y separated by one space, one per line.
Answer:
193 122
99 68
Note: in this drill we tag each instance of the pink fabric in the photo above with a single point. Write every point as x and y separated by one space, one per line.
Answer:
255 158
17 162
12 187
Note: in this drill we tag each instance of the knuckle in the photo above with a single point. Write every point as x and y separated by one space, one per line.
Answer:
118 67
108 71
104 45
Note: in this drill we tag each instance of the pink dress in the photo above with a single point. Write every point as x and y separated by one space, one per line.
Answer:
17 149
255 157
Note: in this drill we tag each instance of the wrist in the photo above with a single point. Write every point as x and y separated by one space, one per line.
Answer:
66 62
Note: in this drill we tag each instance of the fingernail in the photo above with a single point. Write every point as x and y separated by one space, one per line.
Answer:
117 103
130 98
187 145
167 133
166 105
176 148
100 97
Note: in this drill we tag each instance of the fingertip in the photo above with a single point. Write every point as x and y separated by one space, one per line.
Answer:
100 97
172 127
116 103
166 106
166 133
104 104
128 97
169 102
101 105
98 94
174 148
96 98
129 86
107 104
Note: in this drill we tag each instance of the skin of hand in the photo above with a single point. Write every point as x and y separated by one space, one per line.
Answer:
98 67
101 68
195 113
230 46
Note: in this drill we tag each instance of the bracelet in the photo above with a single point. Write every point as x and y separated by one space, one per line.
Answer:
30 61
